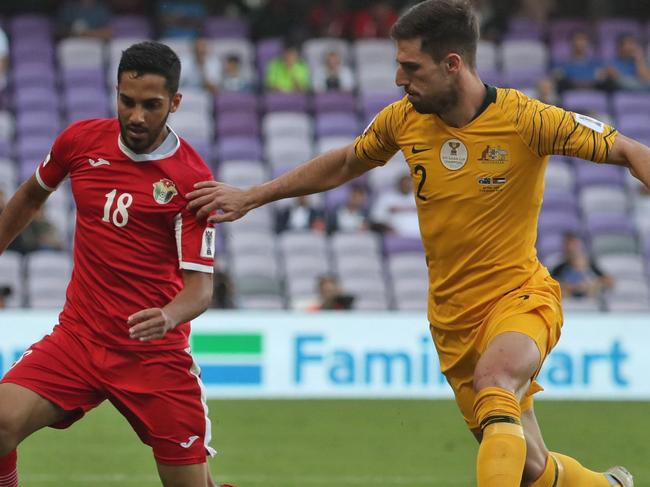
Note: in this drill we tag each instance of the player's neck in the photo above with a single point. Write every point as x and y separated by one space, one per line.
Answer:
471 96
158 142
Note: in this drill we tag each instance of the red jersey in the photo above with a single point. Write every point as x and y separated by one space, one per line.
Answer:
133 235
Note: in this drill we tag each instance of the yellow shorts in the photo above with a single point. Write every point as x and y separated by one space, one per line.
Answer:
533 309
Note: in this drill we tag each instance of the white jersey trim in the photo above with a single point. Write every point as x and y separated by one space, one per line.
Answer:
178 230
172 140
191 266
195 370
37 174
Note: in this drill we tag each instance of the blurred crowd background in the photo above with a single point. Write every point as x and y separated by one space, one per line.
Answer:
269 84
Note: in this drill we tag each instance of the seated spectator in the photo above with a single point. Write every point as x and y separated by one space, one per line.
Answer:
330 19
583 70
395 210
546 92
629 71
203 69
181 18
84 18
374 21
288 72
353 215
331 296
578 274
40 234
233 78
301 215
5 292
333 75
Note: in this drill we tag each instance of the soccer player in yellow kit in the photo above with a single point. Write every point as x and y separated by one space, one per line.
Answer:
477 156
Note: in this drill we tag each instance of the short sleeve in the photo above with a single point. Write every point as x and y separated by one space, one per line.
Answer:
56 165
195 241
550 130
378 142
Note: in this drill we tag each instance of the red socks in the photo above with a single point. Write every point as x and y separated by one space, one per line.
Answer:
8 472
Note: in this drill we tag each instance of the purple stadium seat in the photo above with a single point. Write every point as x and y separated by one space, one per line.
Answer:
395 244
75 78
86 113
523 78
557 200
81 98
585 101
372 103
131 27
267 49
6 148
285 102
45 123
523 28
334 101
337 124
609 224
33 75
28 25
35 98
239 148
558 221
635 125
492 77
238 123
609 30
589 174
337 196
241 101
626 102
549 244
30 151
35 50
225 28
203 147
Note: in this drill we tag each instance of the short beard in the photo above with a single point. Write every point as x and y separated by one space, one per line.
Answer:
142 147
440 104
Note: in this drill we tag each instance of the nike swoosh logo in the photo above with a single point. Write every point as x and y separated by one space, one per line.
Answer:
190 441
415 150
98 162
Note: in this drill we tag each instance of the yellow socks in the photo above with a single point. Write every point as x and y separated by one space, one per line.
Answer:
502 453
563 471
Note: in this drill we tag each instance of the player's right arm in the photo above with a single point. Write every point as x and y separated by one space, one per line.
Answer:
373 148
20 210
322 173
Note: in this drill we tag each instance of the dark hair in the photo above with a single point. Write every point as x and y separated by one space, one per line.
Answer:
444 26
152 57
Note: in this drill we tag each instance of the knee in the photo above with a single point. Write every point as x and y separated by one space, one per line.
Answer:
494 378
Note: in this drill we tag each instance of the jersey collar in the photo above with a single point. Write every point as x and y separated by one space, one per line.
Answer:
490 97
167 149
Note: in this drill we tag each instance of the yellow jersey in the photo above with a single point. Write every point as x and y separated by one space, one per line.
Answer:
479 191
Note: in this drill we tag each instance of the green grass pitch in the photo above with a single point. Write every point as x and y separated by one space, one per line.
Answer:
326 443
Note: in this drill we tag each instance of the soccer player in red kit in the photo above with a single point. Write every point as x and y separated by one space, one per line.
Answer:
142 269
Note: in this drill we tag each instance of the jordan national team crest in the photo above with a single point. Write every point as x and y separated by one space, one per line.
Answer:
163 191
453 154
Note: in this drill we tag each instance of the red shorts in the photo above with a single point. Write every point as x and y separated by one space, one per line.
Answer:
158 392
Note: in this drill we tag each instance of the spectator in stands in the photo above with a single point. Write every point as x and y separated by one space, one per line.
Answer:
84 18
333 75
181 18
301 215
395 211
233 77
40 234
629 71
578 274
353 215
203 69
288 72
331 296
546 91
374 21
5 292
583 69
330 19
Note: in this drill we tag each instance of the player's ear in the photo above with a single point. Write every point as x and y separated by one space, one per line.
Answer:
452 63
176 101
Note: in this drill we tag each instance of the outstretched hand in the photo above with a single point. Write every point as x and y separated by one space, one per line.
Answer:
218 202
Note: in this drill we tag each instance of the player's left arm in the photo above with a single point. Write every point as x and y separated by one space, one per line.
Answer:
190 302
633 155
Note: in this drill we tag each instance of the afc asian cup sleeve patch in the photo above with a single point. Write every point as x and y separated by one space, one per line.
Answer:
207 243
592 123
